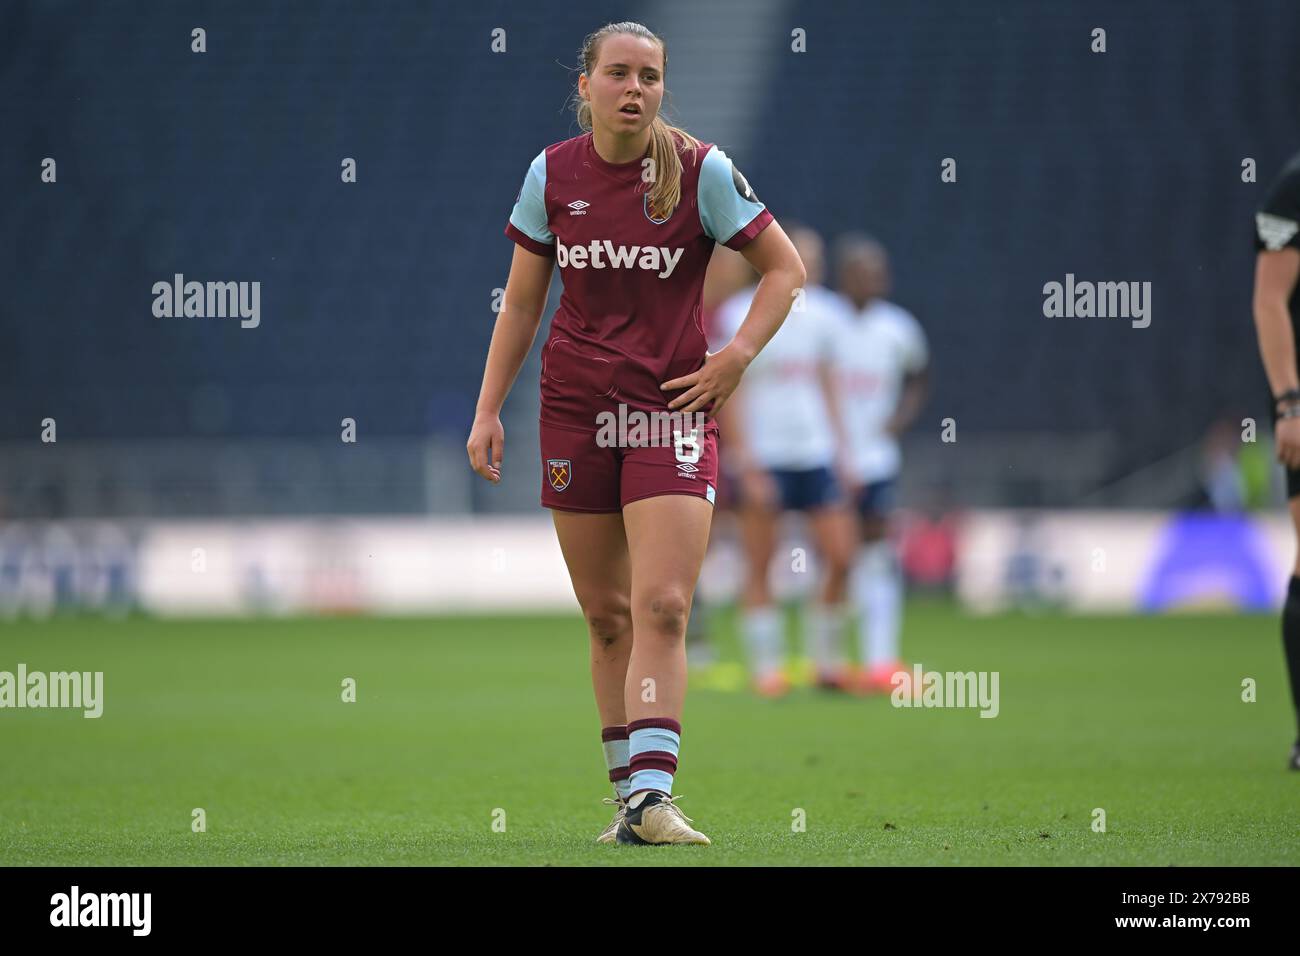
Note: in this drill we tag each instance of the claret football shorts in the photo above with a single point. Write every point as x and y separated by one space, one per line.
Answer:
580 475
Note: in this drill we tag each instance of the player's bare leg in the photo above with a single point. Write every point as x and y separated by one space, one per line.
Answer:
762 624
595 550
833 531
667 537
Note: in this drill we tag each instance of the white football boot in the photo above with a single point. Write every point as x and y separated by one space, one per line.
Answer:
610 833
658 820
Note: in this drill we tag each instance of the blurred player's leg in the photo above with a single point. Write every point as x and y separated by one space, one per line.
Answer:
699 652
761 622
595 550
667 536
832 532
879 596
1291 635
701 638
877 587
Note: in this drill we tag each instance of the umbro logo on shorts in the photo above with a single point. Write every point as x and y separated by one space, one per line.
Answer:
559 471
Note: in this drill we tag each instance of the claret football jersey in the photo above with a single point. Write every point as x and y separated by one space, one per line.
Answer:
630 314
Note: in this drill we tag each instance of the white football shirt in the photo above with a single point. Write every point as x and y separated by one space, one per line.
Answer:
780 397
878 346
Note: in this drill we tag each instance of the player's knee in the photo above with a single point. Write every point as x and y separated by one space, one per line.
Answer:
835 585
756 587
666 610
609 620
838 560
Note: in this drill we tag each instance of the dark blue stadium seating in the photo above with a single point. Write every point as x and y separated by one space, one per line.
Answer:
376 296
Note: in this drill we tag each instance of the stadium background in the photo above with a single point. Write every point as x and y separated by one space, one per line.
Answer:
198 468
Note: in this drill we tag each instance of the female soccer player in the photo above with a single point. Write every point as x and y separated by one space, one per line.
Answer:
630 212
1277 328
785 445
883 374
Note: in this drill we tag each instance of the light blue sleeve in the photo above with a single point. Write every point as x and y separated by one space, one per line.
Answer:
727 203
529 214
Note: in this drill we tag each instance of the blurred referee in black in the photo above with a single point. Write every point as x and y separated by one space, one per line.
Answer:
1277 321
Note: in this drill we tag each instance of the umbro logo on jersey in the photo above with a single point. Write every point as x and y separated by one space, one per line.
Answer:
603 254
579 207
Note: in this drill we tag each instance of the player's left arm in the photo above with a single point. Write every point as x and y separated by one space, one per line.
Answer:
773 255
916 388
834 405
1275 279
1276 272
1277 264
829 378
916 378
731 214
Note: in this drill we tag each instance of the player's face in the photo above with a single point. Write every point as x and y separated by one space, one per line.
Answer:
878 276
865 276
629 70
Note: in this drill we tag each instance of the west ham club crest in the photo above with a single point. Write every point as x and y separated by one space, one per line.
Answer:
559 471
645 204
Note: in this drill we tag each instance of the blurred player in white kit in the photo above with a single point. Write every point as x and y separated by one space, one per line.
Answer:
882 359
781 444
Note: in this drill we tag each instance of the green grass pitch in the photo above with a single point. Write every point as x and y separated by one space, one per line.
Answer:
459 718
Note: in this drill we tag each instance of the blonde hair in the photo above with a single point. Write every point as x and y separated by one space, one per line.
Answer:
666 142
